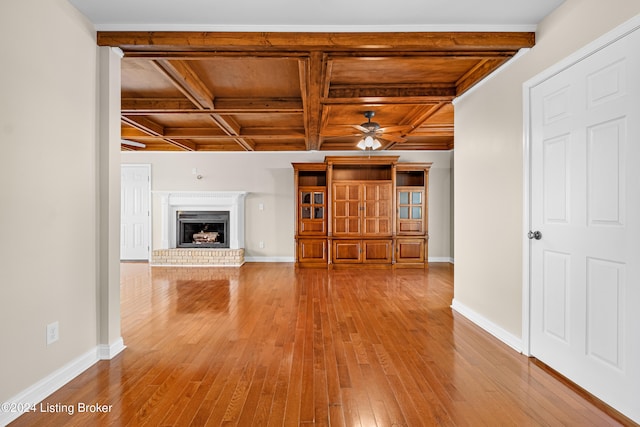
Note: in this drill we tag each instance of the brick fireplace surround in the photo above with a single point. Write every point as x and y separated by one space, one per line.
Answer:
168 254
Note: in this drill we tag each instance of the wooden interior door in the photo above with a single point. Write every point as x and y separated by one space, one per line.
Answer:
377 201
346 209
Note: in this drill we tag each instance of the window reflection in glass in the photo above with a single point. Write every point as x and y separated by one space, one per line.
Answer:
404 197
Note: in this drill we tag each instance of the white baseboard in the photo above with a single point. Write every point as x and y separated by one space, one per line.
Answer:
108 352
48 385
269 259
441 259
506 337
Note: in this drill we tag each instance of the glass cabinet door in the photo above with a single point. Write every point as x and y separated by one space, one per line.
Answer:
312 204
410 204
312 212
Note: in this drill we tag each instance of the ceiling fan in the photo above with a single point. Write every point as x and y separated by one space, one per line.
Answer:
372 133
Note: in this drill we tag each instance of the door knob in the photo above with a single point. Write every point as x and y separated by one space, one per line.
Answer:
534 235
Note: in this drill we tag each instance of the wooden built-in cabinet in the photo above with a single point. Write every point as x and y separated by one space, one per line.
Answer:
361 211
311 214
412 183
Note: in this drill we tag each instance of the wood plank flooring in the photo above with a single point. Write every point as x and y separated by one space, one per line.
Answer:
272 345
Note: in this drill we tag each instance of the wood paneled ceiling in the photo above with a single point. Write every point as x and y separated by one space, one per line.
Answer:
238 91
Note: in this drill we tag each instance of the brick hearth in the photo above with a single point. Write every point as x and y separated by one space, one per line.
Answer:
198 257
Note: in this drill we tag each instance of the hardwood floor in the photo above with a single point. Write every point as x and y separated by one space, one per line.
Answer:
269 344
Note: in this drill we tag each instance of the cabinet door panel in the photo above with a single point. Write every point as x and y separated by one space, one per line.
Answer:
377 209
346 209
312 227
347 251
312 251
376 251
410 227
410 250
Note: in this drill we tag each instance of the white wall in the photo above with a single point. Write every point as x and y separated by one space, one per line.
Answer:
269 179
48 173
489 164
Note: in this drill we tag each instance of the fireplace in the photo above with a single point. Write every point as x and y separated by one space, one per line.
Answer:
202 229
198 214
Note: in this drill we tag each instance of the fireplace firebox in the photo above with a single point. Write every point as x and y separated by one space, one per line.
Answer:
202 229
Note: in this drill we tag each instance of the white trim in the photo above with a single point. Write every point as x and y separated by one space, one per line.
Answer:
173 201
270 259
49 384
503 335
318 28
598 44
108 352
441 259
526 223
491 76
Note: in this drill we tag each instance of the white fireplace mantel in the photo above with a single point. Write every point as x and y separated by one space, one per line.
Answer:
173 201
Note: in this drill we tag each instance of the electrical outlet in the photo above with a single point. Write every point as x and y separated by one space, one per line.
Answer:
261 244
53 332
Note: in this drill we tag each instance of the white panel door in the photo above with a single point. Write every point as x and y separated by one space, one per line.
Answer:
135 212
585 202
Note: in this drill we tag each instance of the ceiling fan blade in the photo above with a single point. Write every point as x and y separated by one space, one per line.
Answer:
360 128
396 129
393 138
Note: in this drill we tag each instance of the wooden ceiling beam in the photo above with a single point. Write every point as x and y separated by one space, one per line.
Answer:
258 105
248 133
151 106
155 130
145 125
187 81
477 73
417 117
386 100
311 72
296 41
233 129
440 91
147 106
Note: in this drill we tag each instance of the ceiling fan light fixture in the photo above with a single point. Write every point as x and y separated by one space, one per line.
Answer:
369 142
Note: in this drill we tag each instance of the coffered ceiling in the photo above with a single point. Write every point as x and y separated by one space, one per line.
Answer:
201 87
299 91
